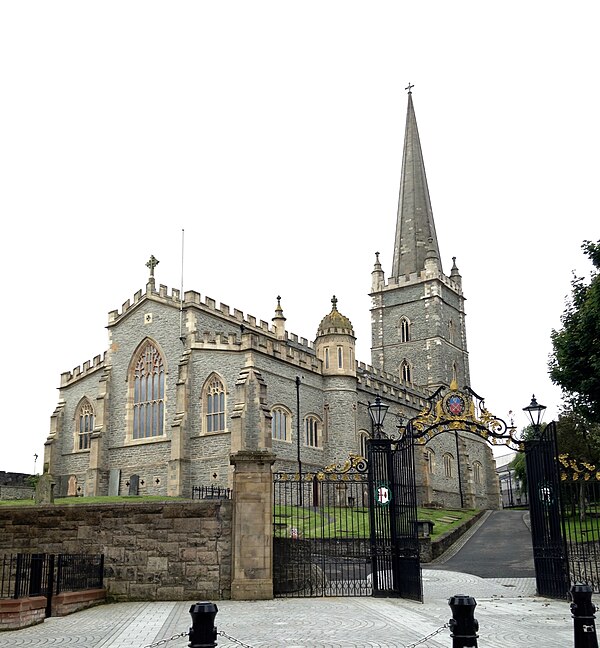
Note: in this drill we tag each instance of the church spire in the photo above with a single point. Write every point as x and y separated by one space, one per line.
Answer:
415 230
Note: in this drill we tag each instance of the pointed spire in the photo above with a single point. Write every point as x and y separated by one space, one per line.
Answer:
414 226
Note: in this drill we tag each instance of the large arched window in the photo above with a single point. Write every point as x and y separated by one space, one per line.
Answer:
148 393
214 405
85 424
404 329
281 424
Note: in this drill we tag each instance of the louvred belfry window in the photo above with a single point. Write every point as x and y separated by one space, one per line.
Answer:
149 394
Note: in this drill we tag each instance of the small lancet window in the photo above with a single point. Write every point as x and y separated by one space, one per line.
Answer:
312 431
448 461
405 372
404 330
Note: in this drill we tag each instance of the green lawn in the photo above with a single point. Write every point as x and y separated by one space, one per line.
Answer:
353 522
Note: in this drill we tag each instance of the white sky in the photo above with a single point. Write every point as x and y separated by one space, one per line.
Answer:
272 133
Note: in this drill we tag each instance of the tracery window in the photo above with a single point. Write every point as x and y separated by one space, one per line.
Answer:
148 393
85 425
404 329
214 405
448 461
281 424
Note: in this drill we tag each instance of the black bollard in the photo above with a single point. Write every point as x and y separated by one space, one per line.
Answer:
203 633
582 611
463 624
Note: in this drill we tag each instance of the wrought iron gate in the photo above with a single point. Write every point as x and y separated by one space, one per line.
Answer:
396 568
545 508
349 530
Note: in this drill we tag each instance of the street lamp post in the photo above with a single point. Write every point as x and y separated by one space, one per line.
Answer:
377 412
298 438
535 411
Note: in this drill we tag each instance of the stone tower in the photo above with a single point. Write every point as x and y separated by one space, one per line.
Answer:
418 316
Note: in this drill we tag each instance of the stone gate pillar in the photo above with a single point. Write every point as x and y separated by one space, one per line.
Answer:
252 555
252 459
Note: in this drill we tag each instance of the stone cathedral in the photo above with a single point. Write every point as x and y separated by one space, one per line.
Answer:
160 410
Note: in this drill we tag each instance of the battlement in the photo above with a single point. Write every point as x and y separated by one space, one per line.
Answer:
301 356
390 385
191 298
417 277
83 370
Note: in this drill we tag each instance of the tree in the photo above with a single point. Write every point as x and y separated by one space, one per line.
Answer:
575 362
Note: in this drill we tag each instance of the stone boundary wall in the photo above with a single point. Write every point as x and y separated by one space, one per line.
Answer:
16 492
153 550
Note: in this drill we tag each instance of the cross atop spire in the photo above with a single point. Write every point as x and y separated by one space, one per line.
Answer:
152 263
334 303
409 87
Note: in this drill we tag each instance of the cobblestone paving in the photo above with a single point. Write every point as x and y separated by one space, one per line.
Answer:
508 613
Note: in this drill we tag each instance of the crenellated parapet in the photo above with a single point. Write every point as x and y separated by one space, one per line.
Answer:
300 355
418 277
82 371
193 299
390 385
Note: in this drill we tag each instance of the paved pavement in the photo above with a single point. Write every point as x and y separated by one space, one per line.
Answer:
499 545
508 611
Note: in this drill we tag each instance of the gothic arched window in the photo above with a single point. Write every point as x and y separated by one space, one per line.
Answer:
405 371
477 472
363 435
148 393
214 405
451 331
404 329
448 461
85 425
281 424
312 431
429 460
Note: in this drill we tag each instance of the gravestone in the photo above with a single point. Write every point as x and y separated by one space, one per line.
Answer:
72 487
114 479
134 485
44 491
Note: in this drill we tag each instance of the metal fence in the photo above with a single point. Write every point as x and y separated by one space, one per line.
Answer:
581 519
38 574
211 492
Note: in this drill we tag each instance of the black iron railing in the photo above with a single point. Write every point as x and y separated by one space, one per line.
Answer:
211 492
37 574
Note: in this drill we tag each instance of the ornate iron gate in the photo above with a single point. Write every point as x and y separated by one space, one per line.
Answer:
321 532
349 530
396 568
545 508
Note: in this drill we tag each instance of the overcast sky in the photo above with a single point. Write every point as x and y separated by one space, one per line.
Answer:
272 132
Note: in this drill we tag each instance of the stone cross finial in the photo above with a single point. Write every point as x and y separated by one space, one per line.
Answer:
334 302
152 263
409 87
